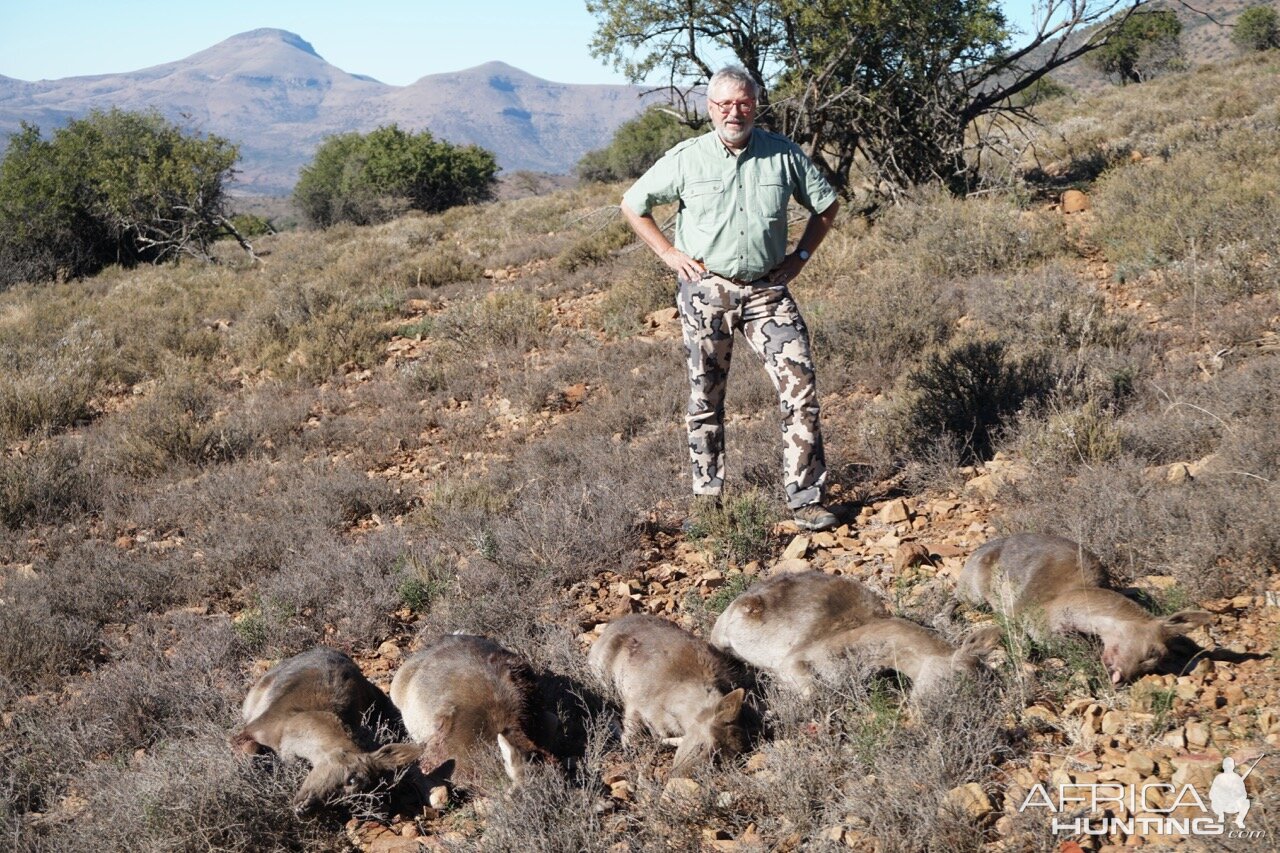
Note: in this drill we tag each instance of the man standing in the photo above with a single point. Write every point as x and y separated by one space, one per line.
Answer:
730 258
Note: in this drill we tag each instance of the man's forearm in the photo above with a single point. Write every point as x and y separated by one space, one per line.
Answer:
815 231
648 231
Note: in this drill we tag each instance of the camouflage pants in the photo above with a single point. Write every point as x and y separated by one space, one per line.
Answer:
711 310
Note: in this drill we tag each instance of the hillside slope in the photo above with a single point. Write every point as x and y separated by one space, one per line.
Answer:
474 422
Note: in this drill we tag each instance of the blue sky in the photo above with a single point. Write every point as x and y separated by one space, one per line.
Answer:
395 41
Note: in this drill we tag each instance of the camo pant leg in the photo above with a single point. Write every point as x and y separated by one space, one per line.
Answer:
774 328
706 315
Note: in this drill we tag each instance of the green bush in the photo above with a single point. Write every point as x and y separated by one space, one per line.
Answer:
374 177
1257 28
1143 45
636 145
967 392
115 187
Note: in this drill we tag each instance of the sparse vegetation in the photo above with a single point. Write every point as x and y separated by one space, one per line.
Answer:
463 421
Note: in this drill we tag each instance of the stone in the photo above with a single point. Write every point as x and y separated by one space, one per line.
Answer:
783 567
969 799
1074 201
1176 738
1197 734
390 651
796 548
1112 722
439 797
621 790
895 511
1142 762
680 789
1040 718
909 554
1197 770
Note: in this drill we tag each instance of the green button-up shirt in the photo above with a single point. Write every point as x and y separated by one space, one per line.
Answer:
733 207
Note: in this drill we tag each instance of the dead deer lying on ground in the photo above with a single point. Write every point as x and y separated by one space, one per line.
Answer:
463 694
811 625
770 624
1055 586
903 646
319 707
675 685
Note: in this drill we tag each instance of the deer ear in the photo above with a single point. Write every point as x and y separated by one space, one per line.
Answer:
512 760
730 707
1184 621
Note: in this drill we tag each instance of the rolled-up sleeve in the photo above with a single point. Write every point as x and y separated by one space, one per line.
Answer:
812 190
659 185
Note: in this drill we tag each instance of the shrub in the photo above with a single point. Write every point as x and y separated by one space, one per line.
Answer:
967 392
513 319
597 245
1257 28
636 145
115 187
863 333
1200 203
368 178
739 532
52 483
945 237
1143 45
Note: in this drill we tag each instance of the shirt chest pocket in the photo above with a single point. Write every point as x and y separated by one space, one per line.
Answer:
702 198
771 200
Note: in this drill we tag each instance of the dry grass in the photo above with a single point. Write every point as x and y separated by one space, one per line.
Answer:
206 466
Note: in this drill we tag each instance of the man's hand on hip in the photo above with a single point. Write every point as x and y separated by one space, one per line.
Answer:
685 267
785 272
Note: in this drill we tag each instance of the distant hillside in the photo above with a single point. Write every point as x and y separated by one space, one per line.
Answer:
1206 37
269 91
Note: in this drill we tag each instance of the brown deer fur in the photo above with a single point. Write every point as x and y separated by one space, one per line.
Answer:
772 622
317 706
811 625
462 694
673 684
1054 585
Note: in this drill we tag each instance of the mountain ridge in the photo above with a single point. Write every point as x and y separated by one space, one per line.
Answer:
269 91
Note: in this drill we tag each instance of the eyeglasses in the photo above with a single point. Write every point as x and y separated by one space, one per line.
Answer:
726 107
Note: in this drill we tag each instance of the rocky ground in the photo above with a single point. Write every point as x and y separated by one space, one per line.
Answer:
1219 698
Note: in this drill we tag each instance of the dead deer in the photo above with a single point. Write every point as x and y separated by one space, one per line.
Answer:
773 622
899 644
463 694
318 706
673 684
1056 586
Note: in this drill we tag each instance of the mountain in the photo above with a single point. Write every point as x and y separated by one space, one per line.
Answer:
271 93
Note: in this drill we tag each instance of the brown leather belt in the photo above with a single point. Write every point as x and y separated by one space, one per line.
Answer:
738 281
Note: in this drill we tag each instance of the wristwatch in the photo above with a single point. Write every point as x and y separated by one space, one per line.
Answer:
804 256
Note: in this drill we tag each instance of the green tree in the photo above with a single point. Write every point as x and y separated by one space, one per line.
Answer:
1257 28
894 88
1145 44
114 187
636 145
368 178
